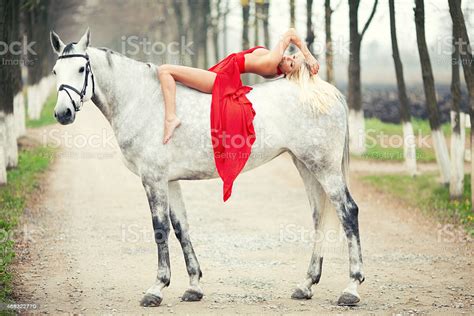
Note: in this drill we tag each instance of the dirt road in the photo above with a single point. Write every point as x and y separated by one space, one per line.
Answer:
91 248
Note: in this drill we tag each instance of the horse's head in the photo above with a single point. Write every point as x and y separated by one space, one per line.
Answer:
74 78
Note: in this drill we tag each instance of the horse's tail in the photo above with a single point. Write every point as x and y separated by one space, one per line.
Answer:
330 228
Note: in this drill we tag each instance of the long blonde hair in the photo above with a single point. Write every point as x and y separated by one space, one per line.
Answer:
317 94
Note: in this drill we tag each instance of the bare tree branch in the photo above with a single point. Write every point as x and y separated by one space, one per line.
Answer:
337 6
366 26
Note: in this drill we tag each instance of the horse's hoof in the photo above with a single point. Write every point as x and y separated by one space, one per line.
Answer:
348 299
302 294
192 295
151 300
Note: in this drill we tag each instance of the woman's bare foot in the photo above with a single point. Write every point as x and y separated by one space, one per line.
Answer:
170 125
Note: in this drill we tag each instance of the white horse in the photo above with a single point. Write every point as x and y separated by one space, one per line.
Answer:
127 92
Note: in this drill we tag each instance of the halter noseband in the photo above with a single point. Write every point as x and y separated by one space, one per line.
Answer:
82 93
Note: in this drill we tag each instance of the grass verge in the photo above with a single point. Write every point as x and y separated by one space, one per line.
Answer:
425 193
46 117
22 182
381 145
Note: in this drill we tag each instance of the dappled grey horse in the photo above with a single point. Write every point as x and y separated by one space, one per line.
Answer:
128 94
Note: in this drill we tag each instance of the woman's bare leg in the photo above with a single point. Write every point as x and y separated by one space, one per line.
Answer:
195 78
168 88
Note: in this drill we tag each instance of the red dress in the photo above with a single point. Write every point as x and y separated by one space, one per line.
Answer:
232 130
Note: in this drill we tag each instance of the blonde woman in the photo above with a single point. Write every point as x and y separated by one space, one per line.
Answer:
257 60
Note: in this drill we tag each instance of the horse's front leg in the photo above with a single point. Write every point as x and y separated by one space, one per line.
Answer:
181 230
157 194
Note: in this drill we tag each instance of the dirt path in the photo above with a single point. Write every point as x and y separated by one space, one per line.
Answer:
91 248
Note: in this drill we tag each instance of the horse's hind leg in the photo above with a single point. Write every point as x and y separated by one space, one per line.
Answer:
316 197
181 230
347 210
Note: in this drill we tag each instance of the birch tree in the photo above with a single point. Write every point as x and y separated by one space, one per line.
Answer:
462 41
439 142
456 183
9 84
356 113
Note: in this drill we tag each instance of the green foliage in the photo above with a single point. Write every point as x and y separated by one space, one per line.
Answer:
47 116
22 181
428 195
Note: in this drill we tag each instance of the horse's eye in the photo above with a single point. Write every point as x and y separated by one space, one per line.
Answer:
54 72
81 70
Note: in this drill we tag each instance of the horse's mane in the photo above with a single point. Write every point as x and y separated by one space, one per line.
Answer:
318 94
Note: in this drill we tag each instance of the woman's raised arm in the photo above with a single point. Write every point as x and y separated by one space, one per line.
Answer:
290 36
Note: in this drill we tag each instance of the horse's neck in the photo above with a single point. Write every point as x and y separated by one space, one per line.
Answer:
124 88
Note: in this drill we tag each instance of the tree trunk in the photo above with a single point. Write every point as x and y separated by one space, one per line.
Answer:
439 142
9 83
292 48
356 114
245 28
292 14
266 33
38 25
204 27
4 86
456 184
225 27
215 30
257 17
194 28
329 50
309 26
178 11
409 146
464 48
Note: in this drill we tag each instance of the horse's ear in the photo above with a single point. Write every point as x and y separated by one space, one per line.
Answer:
56 42
85 40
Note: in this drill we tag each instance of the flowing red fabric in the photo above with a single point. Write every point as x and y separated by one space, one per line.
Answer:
232 114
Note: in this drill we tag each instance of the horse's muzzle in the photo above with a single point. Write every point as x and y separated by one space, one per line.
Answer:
65 117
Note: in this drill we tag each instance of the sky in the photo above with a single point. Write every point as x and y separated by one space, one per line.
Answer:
376 51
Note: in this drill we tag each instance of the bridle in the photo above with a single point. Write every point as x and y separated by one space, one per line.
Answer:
82 93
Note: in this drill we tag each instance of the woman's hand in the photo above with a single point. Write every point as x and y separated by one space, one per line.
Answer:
313 64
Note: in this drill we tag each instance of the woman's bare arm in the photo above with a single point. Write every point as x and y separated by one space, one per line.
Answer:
289 37
275 55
